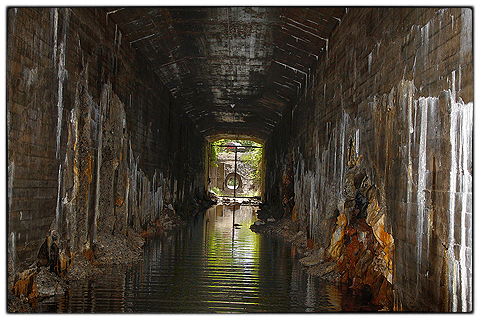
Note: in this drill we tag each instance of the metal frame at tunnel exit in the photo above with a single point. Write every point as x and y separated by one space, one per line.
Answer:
235 166
236 177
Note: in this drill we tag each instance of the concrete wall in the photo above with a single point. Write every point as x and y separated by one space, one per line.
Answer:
95 142
388 115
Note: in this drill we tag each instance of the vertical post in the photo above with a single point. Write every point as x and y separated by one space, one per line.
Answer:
234 194
235 183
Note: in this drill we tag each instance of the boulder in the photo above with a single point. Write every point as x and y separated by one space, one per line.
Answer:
49 284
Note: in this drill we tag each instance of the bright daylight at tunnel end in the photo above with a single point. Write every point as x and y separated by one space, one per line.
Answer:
334 142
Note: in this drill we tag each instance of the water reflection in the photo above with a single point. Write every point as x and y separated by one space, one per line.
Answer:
216 264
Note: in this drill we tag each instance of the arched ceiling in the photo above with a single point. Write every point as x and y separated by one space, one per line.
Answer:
234 70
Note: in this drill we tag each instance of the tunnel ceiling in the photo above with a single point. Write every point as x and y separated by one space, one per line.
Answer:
234 70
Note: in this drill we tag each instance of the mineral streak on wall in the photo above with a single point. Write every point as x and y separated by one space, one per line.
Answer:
95 142
388 118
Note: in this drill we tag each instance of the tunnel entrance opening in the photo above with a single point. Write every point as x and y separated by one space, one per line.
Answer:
235 168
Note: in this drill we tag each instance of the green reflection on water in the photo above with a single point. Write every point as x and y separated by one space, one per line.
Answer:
232 250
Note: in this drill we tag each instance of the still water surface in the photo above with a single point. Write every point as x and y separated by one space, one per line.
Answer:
216 264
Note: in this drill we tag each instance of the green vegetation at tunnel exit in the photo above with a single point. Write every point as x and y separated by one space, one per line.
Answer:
253 157
217 191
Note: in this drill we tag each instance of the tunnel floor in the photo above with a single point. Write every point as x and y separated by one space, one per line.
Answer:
215 264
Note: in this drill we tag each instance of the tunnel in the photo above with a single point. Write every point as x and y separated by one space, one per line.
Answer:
365 115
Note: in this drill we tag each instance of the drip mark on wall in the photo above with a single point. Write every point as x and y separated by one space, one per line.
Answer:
422 171
461 125
62 72
11 171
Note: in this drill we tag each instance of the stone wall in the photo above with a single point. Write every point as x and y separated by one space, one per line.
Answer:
95 142
384 130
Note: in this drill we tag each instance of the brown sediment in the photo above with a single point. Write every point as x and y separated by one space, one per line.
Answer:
25 285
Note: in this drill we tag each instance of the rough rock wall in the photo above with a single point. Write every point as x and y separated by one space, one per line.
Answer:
90 130
394 92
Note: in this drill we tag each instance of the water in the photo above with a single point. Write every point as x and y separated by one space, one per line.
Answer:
217 264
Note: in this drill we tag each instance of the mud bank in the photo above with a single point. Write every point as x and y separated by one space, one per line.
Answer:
45 278
53 271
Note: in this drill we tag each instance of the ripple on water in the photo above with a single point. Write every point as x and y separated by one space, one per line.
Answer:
209 266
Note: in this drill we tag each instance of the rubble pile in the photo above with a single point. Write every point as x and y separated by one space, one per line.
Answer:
53 269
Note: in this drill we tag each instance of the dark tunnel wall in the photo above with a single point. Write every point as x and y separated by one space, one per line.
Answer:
95 142
387 120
